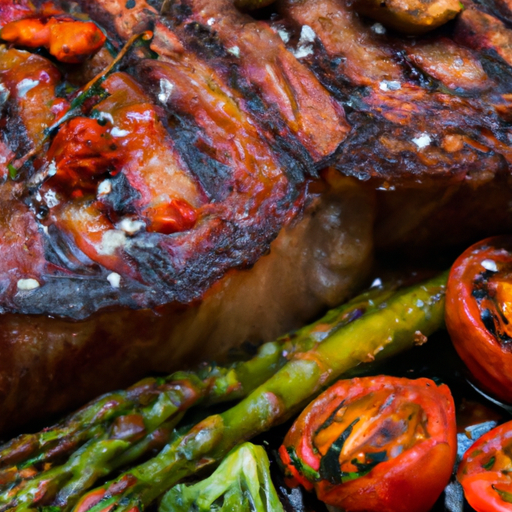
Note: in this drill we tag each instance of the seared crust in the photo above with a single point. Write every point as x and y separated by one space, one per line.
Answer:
232 119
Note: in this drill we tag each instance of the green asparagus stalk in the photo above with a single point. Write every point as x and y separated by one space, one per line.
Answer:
407 318
125 425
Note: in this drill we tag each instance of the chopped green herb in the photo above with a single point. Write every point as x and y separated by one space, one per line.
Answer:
13 172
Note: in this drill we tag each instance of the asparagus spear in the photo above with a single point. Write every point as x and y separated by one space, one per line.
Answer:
407 318
122 426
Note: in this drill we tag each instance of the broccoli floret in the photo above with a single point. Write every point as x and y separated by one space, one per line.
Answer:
240 484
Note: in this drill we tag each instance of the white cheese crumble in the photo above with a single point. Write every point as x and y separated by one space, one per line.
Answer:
390 85
114 279
305 44
104 188
130 226
147 115
234 51
118 132
490 265
4 94
303 51
105 116
378 28
25 85
166 88
28 284
210 22
422 141
111 241
283 34
307 35
51 198
376 283
52 169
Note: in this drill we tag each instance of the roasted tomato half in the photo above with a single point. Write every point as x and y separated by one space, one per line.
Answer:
381 444
479 313
485 471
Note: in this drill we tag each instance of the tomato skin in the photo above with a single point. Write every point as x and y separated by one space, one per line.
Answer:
66 39
412 477
484 466
488 362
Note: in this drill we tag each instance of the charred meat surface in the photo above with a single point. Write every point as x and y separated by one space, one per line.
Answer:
143 182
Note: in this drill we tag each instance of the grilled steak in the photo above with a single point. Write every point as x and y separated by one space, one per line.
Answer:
135 203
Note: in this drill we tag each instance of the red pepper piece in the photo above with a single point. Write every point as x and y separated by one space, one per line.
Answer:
172 217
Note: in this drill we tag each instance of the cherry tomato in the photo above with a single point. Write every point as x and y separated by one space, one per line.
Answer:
382 444
479 313
66 39
485 471
81 151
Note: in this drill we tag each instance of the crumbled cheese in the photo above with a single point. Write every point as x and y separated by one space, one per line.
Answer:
118 132
130 226
390 85
114 279
490 265
28 284
4 94
376 283
25 85
419 303
104 188
307 35
234 51
303 51
378 28
210 22
105 116
147 115
283 34
305 44
51 198
422 141
166 88
52 169
111 241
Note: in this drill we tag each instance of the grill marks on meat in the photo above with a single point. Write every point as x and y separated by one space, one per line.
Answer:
420 109
181 223
196 159
253 52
